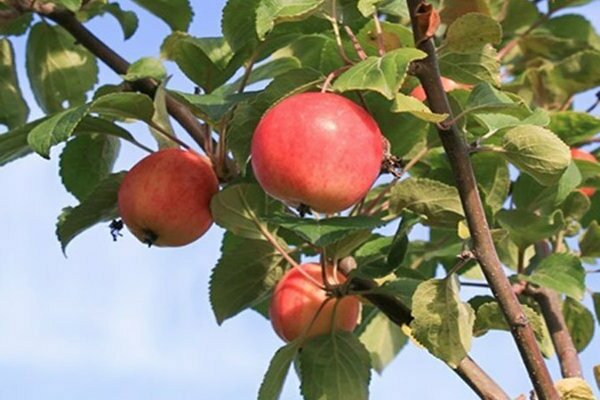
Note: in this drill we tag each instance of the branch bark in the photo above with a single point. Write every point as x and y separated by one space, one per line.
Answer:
551 308
118 64
468 370
427 71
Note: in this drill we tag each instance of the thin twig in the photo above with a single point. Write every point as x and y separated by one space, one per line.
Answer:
357 47
379 34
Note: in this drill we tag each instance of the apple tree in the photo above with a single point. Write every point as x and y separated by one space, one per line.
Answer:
321 134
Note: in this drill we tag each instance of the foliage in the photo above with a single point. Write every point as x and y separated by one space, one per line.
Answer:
518 69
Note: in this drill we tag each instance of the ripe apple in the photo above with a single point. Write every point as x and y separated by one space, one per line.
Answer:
448 84
296 300
578 154
317 149
164 199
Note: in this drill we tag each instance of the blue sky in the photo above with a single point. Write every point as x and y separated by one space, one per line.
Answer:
121 321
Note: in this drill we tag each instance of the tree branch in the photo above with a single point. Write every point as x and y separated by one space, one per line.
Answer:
427 71
470 372
551 308
118 64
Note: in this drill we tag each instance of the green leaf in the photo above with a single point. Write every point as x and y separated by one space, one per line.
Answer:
324 232
402 288
489 316
575 206
383 339
13 108
558 4
379 74
263 72
574 389
485 98
271 12
493 178
590 242
537 152
272 384
146 67
213 107
453 9
580 322
100 206
177 14
59 70
367 7
127 19
335 366
437 202
519 16
256 261
161 120
55 129
93 125
404 103
497 121
60 126
13 144
238 23
85 161
15 25
242 208
574 127
72 5
525 227
471 68
127 105
471 32
248 114
317 51
562 272
208 62
442 323
395 35
596 300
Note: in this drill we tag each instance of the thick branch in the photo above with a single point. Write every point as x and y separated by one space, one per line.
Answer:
428 73
551 308
470 372
118 64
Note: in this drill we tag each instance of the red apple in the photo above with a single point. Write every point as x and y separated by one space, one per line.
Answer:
164 199
578 154
317 149
296 300
448 84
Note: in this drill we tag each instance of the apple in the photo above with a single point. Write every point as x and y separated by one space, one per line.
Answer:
320 150
578 154
296 300
164 199
448 84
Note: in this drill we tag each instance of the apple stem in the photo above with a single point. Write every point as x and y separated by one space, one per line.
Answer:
166 134
379 34
331 76
336 32
357 47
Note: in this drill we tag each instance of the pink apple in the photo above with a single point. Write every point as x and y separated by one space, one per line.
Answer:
164 199
317 149
296 301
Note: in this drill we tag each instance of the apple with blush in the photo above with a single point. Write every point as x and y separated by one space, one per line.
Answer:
297 305
164 199
319 150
